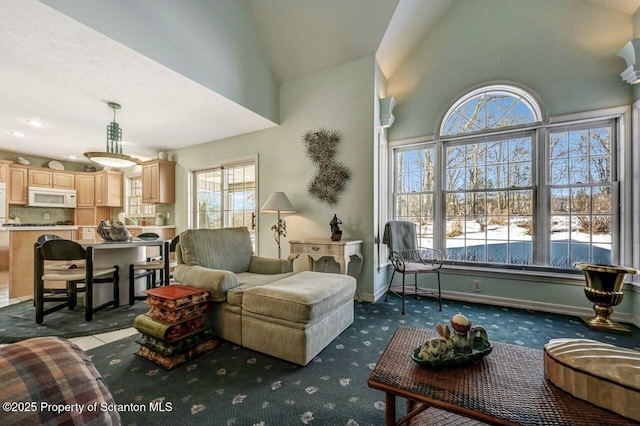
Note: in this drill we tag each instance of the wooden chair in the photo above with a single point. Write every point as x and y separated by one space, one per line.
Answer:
408 258
162 264
63 252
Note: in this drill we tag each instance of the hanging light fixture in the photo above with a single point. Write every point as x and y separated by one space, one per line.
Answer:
113 156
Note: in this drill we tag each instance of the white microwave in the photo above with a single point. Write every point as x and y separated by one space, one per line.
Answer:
52 197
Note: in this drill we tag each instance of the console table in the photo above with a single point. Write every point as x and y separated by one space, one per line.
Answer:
317 248
507 387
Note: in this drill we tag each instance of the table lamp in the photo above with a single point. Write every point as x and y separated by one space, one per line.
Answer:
278 203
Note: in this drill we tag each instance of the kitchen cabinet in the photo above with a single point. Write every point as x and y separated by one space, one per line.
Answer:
108 188
51 179
64 180
91 215
85 190
159 182
4 170
40 177
17 187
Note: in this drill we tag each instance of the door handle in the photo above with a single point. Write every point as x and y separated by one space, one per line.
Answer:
253 220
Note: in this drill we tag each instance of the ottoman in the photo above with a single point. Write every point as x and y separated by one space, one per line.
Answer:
603 374
297 317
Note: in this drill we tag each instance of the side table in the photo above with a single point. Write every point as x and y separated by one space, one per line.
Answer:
317 248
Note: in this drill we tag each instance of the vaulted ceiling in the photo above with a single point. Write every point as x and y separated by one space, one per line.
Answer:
62 72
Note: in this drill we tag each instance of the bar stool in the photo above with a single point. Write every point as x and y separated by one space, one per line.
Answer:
163 264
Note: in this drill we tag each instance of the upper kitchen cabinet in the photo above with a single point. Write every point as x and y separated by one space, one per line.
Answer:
17 187
85 190
4 170
108 188
64 180
159 182
51 179
40 177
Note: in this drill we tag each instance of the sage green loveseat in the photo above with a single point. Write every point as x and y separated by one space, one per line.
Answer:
259 302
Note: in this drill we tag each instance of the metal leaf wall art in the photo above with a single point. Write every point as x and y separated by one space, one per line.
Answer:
331 176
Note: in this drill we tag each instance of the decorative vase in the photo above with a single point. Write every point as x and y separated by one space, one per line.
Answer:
162 155
604 289
159 219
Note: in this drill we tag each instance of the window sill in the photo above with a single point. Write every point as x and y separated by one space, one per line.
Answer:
528 275
531 276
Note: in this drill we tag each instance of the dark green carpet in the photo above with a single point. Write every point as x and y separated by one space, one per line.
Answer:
18 321
235 386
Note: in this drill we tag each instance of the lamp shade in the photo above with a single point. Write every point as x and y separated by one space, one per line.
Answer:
278 203
112 159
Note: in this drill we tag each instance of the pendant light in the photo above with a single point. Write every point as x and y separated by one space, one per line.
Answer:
113 156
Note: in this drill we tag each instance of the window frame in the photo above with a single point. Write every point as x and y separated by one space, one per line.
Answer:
622 164
229 163
128 179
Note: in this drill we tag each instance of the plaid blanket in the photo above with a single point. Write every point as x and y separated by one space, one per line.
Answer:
51 381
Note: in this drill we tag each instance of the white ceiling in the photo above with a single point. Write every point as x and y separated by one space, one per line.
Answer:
61 72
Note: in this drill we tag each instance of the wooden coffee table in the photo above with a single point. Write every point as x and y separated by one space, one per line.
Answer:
506 387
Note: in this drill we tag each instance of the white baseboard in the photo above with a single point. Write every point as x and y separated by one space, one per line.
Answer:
518 303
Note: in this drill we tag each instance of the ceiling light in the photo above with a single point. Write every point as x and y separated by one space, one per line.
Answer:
16 134
113 157
35 123
72 157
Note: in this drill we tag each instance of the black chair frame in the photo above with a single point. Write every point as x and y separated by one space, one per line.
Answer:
65 250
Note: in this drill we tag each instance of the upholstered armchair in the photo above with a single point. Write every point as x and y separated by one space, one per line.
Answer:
219 260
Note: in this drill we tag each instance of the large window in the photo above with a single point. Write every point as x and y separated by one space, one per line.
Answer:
225 196
500 187
581 194
488 193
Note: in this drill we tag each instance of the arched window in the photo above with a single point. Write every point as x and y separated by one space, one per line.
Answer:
491 107
500 185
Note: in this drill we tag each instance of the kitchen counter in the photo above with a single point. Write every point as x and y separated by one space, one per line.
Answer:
40 228
21 248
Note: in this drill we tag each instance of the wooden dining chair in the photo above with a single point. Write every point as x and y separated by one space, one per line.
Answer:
77 279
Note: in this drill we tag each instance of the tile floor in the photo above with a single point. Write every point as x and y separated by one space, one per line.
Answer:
85 342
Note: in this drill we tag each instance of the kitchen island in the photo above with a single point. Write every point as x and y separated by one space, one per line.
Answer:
21 241
122 253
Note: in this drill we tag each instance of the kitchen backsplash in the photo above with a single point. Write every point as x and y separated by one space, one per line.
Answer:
36 214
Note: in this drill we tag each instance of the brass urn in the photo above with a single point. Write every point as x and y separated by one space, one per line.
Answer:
604 289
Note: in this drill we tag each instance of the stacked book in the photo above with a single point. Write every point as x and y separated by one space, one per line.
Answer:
173 330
